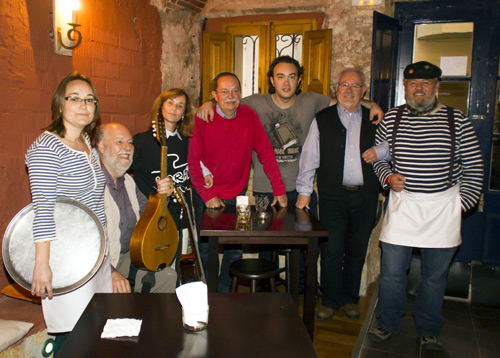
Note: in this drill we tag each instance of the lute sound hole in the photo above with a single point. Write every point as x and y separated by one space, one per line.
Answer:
162 223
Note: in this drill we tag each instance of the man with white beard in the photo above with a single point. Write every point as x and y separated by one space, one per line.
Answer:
123 204
436 174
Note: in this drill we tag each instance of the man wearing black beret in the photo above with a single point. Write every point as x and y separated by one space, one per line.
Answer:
436 172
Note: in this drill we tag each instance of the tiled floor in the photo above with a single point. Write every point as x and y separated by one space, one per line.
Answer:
468 332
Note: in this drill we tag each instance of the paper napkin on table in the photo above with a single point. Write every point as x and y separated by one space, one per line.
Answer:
121 327
241 200
193 297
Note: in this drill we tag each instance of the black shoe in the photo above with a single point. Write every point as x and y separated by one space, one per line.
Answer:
430 343
378 335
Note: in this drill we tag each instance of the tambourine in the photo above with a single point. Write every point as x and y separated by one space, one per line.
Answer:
75 256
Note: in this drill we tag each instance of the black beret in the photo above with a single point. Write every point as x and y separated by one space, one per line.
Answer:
422 69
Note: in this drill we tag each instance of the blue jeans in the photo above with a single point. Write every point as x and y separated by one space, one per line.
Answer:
392 288
230 255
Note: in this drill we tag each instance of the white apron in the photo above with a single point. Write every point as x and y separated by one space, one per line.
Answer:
423 220
62 312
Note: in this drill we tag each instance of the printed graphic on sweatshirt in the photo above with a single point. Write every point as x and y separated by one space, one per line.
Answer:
178 171
284 133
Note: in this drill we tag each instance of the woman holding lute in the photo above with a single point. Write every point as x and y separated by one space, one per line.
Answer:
172 109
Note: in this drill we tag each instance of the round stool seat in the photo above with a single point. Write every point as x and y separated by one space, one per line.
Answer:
253 269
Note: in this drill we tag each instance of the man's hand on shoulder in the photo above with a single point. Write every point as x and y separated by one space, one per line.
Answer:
120 283
206 112
376 113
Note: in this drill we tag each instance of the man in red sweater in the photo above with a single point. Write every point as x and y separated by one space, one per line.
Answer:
225 147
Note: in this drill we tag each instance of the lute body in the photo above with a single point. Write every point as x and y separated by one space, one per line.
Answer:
154 241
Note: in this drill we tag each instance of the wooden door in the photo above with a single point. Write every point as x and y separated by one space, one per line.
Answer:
384 60
217 58
316 56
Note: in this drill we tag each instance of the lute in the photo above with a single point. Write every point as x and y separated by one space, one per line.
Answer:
154 241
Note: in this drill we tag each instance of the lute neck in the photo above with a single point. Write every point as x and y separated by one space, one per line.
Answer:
163 174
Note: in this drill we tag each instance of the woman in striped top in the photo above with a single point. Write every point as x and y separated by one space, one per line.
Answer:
61 163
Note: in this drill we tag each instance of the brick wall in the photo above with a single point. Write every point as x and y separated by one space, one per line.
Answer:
120 52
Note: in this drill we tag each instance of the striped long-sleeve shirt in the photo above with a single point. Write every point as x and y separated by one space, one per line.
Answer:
422 152
55 170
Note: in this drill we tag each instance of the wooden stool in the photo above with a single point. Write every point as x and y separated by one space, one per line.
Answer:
253 270
285 269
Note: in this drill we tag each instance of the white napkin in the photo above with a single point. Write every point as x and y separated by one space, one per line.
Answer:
241 200
193 297
121 327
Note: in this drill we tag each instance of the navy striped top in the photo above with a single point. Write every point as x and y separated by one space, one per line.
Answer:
55 170
422 152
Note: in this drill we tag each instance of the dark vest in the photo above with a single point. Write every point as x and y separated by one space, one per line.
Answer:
332 138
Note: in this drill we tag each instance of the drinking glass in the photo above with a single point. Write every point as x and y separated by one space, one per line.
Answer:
261 203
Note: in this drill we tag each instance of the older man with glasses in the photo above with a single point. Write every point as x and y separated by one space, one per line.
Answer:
339 148
225 147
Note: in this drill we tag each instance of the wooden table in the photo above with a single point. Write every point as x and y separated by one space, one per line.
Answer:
239 325
285 226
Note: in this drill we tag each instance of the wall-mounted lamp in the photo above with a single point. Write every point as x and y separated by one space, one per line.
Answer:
65 26
366 2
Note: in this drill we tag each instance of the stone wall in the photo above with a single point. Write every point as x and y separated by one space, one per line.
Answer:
352 34
181 48
352 26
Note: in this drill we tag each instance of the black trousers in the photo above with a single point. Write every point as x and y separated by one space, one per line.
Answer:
349 221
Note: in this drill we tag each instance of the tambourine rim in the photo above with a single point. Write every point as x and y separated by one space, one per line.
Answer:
61 290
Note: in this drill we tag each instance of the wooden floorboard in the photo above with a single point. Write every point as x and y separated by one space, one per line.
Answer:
337 338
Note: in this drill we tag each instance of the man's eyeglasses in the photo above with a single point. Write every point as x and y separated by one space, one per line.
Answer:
77 100
235 92
354 86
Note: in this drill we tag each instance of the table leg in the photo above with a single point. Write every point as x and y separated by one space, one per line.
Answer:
213 264
311 278
294 278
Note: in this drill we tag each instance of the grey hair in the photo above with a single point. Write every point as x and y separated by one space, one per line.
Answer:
360 73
